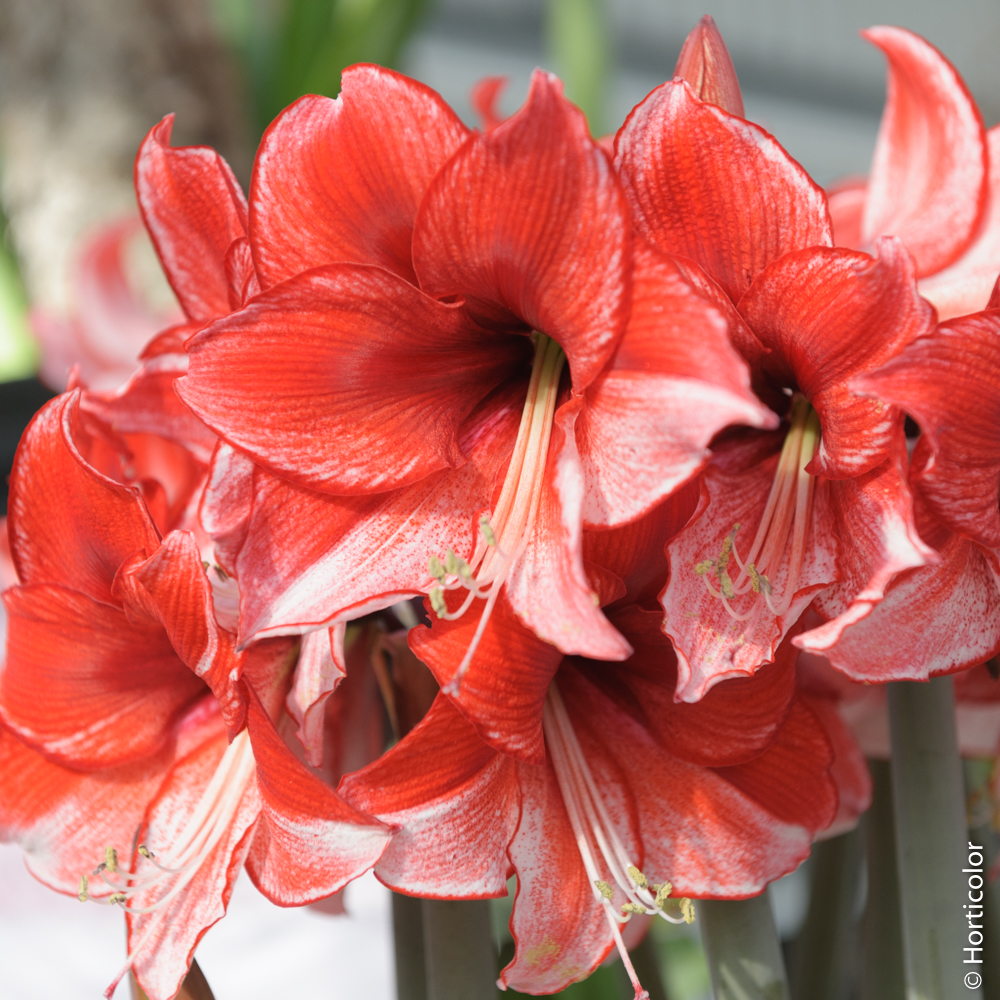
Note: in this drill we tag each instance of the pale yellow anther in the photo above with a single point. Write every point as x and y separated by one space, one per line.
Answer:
726 584
662 893
487 530
82 893
111 859
452 563
436 569
637 877
604 889
705 566
118 898
687 910
633 908
437 602
145 851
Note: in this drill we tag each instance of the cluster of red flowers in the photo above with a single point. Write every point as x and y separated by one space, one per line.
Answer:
632 422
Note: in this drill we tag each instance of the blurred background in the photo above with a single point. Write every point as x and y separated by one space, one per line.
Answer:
82 81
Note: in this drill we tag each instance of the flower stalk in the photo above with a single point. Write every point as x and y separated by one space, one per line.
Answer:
459 949
743 949
931 836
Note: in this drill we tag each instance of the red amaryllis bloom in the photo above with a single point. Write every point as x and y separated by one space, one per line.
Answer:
638 799
494 364
124 704
821 505
935 178
943 618
110 322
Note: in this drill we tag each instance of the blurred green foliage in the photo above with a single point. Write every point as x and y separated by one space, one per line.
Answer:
18 353
580 46
293 47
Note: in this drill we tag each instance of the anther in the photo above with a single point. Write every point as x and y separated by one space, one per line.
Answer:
604 889
111 860
633 908
436 569
83 893
687 910
488 535
117 898
662 893
637 877
437 602
146 852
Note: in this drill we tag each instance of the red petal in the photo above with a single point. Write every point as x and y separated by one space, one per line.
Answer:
950 382
791 780
849 770
176 927
711 645
310 558
878 539
675 381
562 935
964 286
364 380
706 64
847 204
193 208
828 316
171 587
309 843
100 523
147 404
502 692
709 186
320 669
697 829
65 819
341 180
928 178
226 501
484 97
731 724
547 585
932 620
455 801
531 218
76 670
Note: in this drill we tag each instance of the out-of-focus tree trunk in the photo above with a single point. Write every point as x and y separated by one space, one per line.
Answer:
81 82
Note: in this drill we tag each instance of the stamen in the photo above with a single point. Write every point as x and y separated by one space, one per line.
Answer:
505 533
204 831
596 835
787 514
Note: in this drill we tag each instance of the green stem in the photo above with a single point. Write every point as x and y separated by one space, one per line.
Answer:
980 803
408 940
742 949
824 950
459 949
930 837
882 934
579 46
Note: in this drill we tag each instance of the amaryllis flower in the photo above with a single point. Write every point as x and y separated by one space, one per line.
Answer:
140 762
110 322
943 618
493 364
934 181
638 801
820 506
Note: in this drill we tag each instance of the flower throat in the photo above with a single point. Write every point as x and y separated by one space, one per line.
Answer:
504 535
786 516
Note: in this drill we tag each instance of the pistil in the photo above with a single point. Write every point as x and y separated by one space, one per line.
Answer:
597 836
172 872
786 519
504 535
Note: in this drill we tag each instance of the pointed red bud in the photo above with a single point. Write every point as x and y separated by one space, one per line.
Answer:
705 63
